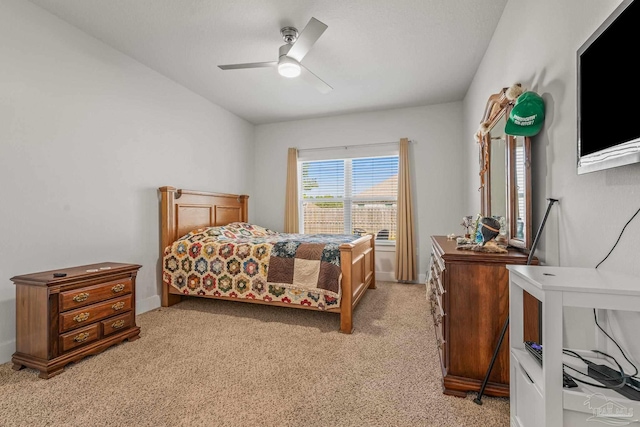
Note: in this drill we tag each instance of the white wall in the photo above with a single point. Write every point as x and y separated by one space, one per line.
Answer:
436 154
87 135
535 44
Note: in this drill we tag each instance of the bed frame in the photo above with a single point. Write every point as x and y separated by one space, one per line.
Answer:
182 211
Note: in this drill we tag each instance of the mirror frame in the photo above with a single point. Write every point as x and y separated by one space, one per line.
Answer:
498 105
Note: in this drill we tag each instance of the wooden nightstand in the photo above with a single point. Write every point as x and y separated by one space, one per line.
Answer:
61 319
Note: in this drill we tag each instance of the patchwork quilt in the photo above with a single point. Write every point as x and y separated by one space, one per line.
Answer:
243 260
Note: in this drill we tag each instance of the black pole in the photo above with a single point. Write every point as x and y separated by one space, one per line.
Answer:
478 398
544 220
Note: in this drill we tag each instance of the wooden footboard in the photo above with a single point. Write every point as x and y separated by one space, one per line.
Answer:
358 274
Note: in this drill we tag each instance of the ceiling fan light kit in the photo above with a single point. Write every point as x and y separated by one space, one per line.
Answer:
288 68
291 54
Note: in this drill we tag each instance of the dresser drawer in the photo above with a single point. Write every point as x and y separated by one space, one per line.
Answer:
436 278
117 323
439 330
82 316
79 337
91 294
438 261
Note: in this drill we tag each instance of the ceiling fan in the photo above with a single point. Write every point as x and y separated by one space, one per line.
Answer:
291 53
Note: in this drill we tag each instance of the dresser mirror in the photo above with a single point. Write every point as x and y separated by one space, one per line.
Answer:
497 172
505 172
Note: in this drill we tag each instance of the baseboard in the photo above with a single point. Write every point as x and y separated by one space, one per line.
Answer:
385 276
6 351
147 304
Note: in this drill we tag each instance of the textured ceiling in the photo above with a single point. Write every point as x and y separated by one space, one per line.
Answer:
376 54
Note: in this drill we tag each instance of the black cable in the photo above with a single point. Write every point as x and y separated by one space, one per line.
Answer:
577 356
572 354
586 362
595 317
622 374
623 377
582 381
619 348
616 243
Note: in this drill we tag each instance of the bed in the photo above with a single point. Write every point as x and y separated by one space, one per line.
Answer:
209 249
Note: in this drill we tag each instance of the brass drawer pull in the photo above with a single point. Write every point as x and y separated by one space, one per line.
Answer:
117 324
81 317
81 297
117 306
118 288
81 337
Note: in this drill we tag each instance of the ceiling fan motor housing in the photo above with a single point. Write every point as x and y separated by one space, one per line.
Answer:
289 34
284 49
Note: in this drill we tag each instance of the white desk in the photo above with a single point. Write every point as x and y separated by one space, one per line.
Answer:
536 393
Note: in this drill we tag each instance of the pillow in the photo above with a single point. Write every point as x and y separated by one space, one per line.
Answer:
235 230
246 229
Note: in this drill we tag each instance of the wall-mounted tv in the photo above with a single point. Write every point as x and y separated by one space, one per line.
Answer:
609 92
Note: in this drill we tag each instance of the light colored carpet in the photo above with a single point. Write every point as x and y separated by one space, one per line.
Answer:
218 363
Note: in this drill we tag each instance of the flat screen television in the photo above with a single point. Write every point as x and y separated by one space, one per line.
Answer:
609 92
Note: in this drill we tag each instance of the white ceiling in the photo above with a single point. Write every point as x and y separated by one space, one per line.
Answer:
376 54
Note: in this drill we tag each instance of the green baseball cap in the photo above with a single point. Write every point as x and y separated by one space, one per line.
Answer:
526 116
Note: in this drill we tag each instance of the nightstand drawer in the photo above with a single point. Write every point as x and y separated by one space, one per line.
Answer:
91 294
82 316
116 324
79 337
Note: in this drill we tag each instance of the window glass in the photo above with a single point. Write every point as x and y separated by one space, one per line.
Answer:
350 196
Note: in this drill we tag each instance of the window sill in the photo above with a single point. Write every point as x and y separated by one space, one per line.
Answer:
385 247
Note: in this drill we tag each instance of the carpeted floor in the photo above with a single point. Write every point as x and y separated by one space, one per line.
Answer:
218 363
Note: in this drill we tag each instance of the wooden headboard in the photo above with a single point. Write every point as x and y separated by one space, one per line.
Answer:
182 211
185 210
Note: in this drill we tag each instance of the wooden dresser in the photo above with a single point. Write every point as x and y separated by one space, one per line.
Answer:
469 295
61 319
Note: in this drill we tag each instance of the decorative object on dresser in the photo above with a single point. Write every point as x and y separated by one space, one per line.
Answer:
65 315
209 250
469 297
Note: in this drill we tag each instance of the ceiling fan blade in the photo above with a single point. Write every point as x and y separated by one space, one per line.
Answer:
248 65
316 81
309 35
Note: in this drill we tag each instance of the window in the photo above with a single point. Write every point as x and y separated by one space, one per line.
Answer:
350 196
